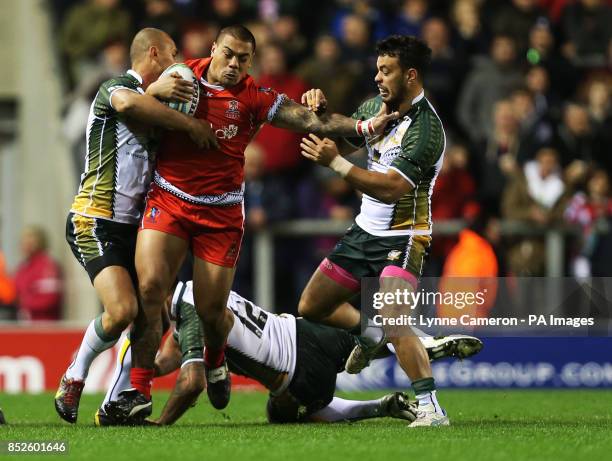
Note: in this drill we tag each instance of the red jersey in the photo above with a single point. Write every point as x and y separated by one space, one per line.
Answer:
216 176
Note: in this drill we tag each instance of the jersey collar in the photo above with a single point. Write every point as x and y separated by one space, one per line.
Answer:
136 75
420 96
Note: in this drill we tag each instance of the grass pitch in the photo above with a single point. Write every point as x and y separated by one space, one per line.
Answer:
485 425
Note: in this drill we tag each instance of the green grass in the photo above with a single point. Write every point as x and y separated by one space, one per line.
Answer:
486 425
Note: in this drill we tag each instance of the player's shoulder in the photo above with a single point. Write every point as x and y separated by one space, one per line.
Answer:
120 81
424 118
368 108
198 65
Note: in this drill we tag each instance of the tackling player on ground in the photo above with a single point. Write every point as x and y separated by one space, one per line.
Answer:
392 232
102 224
296 360
196 201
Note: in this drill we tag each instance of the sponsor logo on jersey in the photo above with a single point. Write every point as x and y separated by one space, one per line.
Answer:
233 112
152 214
227 132
387 157
394 255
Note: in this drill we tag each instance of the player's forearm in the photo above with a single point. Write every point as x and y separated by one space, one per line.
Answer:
372 183
189 385
147 109
296 117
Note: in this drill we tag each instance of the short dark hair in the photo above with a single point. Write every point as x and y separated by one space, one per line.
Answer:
239 32
411 52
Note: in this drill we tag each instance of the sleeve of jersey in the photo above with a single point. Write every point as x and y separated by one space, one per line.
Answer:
365 111
103 104
267 101
419 153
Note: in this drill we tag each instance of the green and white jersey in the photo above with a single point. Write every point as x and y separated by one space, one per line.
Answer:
119 160
414 147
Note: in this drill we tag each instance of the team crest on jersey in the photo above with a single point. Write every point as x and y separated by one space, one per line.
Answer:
233 112
227 132
394 255
152 214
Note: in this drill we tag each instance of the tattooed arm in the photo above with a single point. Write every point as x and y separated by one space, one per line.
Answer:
295 117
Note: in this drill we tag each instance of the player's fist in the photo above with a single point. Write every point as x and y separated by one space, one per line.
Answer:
315 100
202 134
171 88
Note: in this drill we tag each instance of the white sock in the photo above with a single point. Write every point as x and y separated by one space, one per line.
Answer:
91 346
429 398
348 410
121 377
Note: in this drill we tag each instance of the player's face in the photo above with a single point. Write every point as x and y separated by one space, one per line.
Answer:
166 54
231 61
390 79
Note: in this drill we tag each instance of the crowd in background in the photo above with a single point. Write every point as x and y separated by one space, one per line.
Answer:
523 88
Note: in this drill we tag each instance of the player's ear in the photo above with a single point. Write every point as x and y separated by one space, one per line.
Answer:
153 52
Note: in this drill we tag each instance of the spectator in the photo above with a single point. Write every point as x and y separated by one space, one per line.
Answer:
281 147
542 52
586 28
575 137
535 129
408 21
7 293
356 48
224 13
491 79
454 195
88 28
497 155
161 14
470 37
516 20
197 40
546 101
336 79
592 211
38 279
534 195
286 31
446 70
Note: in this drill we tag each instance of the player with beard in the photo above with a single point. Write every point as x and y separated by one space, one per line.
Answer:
392 232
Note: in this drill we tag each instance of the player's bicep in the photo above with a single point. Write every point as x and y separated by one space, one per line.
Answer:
398 183
121 99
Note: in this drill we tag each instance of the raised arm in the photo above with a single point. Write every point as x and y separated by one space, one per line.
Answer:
296 117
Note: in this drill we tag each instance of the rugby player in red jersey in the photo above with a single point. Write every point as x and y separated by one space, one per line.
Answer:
196 202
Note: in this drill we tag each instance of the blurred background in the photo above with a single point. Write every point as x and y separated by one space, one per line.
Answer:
523 88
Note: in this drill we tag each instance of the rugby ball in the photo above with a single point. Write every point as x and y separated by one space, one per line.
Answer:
186 73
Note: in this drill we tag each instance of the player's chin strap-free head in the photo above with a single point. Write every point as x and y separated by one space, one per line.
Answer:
283 408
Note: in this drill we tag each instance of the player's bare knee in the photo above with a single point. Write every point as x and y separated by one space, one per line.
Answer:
121 314
307 308
151 290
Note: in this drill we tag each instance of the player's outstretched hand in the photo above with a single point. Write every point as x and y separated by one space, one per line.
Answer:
171 88
315 100
321 151
202 134
379 122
